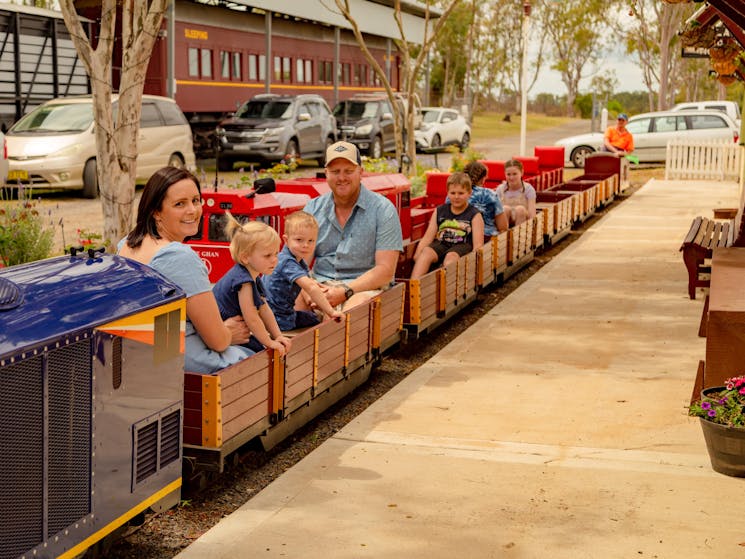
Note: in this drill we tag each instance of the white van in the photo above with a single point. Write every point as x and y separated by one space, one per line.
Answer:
54 146
730 108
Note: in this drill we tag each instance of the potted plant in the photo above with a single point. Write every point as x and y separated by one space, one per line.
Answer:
721 410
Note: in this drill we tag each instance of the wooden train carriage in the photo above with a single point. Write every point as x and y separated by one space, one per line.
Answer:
587 196
537 239
520 240
267 397
562 206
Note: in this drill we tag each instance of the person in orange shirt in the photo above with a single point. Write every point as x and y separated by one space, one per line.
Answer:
618 140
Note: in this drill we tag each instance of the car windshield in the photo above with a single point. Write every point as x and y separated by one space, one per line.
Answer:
357 109
72 117
265 109
430 116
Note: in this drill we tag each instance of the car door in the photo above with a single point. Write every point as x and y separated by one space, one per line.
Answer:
664 129
308 128
449 127
386 126
643 139
706 127
152 141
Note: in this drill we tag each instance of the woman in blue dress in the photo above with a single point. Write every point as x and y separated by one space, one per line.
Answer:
169 211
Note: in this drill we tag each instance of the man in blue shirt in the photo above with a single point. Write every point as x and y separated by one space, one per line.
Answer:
359 233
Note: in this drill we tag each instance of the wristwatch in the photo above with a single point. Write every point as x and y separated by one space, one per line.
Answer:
348 291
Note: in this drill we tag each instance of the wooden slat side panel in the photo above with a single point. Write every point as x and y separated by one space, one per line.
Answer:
331 341
299 364
234 373
359 331
390 314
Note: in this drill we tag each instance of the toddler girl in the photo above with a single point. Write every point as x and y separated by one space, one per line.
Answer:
254 247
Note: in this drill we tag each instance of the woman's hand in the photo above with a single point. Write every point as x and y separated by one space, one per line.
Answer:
239 332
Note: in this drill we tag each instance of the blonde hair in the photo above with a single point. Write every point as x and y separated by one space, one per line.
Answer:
245 237
298 220
461 179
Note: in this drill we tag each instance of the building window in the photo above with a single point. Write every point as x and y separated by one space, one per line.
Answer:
277 69
237 65
308 71
206 63
225 64
286 69
300 70
345 77
253 71
262 67
193 62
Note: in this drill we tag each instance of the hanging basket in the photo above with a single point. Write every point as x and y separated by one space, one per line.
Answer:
727 79
725 49
696 35
724 67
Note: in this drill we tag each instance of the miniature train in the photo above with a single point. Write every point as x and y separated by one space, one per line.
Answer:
99 419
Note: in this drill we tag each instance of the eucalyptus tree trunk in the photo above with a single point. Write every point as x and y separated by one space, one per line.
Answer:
116 138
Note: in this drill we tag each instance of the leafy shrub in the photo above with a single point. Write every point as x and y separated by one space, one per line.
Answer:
23 235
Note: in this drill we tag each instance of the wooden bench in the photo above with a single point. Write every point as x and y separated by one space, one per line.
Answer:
703 237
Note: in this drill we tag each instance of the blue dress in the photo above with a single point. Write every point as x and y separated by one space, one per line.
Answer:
180 264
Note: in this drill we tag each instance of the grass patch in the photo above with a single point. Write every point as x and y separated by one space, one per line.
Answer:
492 125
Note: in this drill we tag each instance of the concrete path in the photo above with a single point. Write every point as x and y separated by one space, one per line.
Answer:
554 428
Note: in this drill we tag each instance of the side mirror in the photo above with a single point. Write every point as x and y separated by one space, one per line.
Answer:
303 117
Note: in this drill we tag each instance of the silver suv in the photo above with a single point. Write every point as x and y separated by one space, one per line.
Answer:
270 127
367 122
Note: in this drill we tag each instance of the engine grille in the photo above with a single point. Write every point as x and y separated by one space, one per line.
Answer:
47 396
157 442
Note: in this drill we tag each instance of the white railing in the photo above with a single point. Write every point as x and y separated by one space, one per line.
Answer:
714 160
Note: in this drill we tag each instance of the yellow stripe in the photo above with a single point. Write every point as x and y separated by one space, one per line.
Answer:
111 526
277 86
144 320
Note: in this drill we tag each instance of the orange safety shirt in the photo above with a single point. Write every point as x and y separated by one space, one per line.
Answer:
621 140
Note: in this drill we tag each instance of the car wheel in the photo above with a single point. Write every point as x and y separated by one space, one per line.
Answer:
465 140
176 161
376 148
436 142
90 180
224 164
579 154
292 150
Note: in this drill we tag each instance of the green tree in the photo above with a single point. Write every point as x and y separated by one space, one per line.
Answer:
576 30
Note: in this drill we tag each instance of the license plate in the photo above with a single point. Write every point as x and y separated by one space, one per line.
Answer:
18 175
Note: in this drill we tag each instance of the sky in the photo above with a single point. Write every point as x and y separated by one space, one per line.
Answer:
628 74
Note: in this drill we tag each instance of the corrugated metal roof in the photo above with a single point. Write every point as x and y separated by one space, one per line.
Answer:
372 16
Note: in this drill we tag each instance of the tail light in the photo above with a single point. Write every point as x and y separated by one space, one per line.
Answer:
736 136
5 148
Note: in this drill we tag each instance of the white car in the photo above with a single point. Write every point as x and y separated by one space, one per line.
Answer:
651 133
730 108
54 146
3 159
441 127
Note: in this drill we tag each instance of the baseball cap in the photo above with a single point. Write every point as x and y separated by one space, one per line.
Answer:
622 116
343 150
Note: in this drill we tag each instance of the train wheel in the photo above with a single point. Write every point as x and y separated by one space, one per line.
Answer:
90 180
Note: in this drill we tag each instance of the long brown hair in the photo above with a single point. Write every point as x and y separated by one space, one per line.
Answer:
151 201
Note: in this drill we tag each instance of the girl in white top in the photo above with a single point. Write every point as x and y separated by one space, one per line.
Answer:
517 196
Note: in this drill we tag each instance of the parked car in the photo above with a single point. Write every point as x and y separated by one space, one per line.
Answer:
730 108
54 146
3 159
441 127
269 127
367 122
652 131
